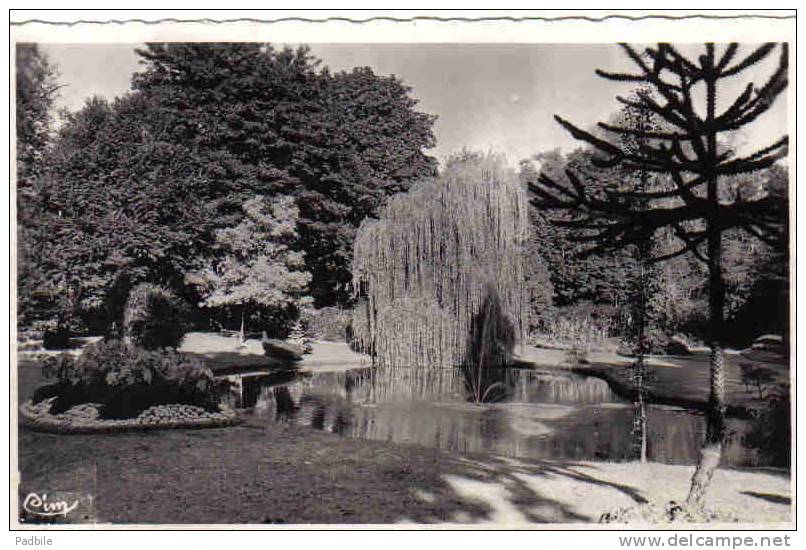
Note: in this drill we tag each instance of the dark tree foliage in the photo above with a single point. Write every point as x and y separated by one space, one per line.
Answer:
771 429
338 143
601 279
539 289
374 148
135 190
36 90
697 214
118 205
756 273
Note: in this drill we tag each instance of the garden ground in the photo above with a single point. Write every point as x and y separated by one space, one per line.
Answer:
273 473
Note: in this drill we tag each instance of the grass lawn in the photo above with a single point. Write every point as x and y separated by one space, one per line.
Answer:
271 473
265 473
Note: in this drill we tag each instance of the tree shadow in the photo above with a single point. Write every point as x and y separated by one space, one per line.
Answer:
514 491
769 497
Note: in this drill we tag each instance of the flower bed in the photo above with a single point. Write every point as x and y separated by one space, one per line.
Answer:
84 418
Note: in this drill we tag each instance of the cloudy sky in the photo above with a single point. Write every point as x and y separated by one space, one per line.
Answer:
487 96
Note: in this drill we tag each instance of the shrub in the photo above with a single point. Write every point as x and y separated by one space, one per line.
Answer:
154 318
57 332
756 375
57 339
771 430
127 379
579 333
329 323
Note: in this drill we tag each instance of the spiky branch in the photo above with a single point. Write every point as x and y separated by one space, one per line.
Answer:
681 150
688 202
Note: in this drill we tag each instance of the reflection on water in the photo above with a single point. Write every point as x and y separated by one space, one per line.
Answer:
527 413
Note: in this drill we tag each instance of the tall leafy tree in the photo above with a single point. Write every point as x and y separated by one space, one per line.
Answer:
255 273
339 144
122 202
66 256
36 90
375 148
689 154
138 189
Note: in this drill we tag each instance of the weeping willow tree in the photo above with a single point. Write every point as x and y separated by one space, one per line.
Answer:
441 271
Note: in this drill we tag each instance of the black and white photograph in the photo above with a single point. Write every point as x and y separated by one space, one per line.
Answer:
417 274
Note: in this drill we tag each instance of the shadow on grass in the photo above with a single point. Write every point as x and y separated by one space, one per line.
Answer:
512 491
769 497
258 473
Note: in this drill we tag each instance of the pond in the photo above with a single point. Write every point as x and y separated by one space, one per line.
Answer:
525 413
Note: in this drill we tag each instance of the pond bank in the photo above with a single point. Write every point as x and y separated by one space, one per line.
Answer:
674 380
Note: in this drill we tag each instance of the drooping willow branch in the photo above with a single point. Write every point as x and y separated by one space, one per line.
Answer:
442 271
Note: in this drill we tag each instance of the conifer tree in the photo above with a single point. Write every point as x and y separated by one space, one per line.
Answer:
690 205
643 121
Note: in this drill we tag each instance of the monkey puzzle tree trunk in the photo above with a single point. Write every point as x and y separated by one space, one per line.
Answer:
639 411
242 333
711 451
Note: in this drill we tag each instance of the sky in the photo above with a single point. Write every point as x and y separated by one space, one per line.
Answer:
486 96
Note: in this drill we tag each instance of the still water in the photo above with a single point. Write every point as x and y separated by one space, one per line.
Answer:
513 412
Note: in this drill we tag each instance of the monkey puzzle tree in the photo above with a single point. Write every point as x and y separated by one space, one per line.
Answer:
641 121
689 203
